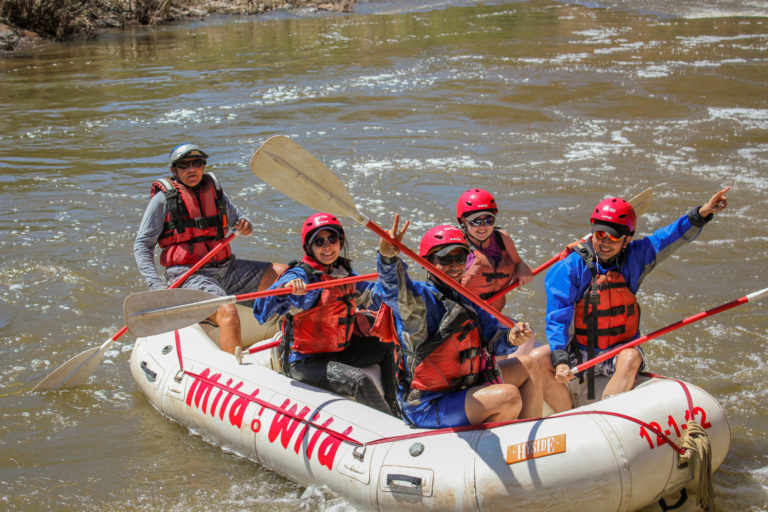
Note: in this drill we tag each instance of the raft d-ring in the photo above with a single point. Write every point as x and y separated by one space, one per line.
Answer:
179 375
167 349
358 452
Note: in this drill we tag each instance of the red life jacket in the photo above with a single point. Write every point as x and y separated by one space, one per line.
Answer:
450 360
328 325
196 220
608 311
486 277
568 249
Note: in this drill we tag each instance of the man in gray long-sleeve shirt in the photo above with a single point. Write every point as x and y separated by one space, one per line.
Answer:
187 216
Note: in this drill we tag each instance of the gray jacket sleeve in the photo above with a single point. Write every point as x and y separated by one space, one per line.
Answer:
146 239
233 213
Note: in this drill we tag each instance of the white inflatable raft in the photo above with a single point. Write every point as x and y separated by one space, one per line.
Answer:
605 456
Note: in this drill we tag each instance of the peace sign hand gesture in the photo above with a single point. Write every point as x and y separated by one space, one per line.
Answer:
387 249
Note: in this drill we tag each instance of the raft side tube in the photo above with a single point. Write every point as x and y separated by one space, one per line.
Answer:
581 458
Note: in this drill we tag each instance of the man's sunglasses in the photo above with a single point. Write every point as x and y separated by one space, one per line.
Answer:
186 164
320 242
448 260
602 235
487 220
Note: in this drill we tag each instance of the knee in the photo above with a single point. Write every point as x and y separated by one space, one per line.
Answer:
533 367
513 402
271 274
511 394
508 400
541 357
498 402
629 361
528 363
227 317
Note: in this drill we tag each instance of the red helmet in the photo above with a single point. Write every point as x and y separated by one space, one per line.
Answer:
317 222
475 200
615 213
442 236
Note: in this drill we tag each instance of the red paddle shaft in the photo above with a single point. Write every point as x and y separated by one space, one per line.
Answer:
516 282
507 322
194 268
288 289
671 327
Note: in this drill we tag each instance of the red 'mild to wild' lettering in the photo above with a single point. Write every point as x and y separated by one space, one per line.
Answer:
237 411
200 392
285 425
216 401
328 448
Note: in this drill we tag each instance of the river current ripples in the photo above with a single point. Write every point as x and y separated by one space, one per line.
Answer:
550 105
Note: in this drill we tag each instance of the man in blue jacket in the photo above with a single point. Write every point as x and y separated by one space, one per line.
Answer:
591 305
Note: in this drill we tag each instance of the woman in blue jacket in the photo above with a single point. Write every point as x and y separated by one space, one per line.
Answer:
326 335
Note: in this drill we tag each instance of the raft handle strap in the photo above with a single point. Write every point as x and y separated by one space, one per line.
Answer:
415 481
679 503
151 376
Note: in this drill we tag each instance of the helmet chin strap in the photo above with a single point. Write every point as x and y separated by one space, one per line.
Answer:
479 242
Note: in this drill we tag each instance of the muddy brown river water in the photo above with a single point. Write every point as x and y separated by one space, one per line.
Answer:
551 105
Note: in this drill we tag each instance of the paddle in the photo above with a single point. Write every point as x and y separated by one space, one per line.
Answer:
293 171
641 203
671 327
77 370
158 311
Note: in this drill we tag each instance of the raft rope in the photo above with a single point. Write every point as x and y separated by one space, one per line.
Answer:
698 452
262 403
695 442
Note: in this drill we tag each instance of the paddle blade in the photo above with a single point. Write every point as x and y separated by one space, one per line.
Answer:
155 312
74 372
641 203
295 172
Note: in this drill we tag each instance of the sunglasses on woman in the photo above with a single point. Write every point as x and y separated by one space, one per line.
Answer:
320 242
448 260
602 235
486 220
186 164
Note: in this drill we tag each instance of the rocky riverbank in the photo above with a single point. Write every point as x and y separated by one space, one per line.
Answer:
26 23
